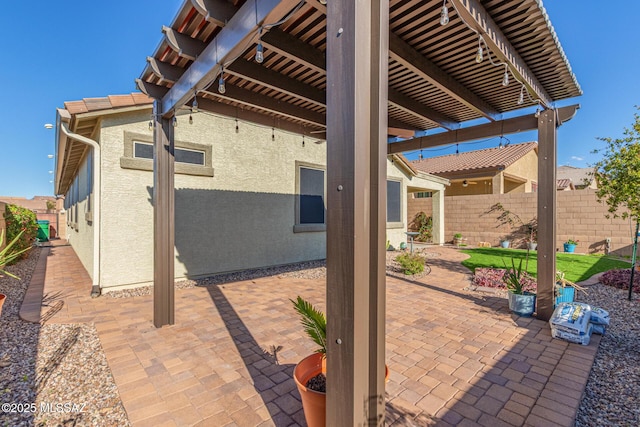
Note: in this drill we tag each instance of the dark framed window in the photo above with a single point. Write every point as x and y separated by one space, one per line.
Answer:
394 201
311 197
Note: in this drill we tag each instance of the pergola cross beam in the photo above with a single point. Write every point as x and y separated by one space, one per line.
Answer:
217 12
229 42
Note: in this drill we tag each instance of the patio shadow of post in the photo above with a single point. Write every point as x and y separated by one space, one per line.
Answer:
266 373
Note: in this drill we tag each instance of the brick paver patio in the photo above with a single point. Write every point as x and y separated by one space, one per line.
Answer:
456 357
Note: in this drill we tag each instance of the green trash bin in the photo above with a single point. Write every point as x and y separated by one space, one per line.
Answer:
43 230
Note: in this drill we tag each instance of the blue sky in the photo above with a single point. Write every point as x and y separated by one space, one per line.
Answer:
64 51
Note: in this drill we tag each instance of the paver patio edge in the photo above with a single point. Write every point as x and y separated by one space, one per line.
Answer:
32 302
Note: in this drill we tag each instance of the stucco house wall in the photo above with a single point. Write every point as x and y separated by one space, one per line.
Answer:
78 215
236 212
525 168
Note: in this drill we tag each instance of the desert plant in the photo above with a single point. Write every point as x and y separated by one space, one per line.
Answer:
423 224
411 263
314 323
51 205
9 254
572 242
457 236
515 278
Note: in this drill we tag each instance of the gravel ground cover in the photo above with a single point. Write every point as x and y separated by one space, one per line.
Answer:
52 375
611 395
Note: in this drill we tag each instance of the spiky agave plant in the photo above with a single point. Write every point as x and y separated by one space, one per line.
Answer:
314 323
7 256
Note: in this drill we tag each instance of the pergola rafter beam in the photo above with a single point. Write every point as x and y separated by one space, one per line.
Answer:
274 80
228 43
267 103
182 44
152 90
217 12
164 70
415 62
472 12
263 119
295 49
418 109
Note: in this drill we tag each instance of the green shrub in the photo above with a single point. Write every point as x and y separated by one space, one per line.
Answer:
423 224
20 220
411 264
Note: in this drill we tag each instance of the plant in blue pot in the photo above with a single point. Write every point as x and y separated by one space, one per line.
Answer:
519 284
570 245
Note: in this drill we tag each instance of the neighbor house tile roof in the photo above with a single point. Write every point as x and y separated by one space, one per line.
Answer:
579 176
489 158
112 101
562 184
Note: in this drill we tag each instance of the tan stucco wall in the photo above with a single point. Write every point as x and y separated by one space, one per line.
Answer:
525 167
481 186
80 232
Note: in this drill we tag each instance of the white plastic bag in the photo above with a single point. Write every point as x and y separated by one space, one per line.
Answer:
599 316
571 317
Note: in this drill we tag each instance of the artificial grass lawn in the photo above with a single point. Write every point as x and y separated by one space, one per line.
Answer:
576 267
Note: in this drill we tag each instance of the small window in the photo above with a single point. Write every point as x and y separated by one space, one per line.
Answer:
142 150
422 195
394 201
310 210
311 196
190 158
193 157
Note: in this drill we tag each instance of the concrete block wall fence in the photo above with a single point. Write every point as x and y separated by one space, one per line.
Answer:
3 226
579 216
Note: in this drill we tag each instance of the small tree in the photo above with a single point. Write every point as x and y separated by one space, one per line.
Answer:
618 176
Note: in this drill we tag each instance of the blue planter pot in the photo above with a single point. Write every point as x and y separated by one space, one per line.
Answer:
564 294
522 304
569 247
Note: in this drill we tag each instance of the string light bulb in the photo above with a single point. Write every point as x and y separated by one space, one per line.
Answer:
479 55
150 124
420 155
505 78
457 150
237 127
273 134
303 140
521 97
221 86
259 53
175 122
444 14
190 119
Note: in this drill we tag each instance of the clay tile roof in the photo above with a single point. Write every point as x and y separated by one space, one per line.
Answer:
562 184
490 158
112 101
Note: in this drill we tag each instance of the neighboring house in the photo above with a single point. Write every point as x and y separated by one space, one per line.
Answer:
581 178
564 184
510 169
46 208
247 196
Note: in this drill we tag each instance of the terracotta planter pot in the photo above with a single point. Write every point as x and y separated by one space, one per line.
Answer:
314 403
2 298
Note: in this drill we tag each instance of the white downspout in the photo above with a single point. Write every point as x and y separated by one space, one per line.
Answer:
95 289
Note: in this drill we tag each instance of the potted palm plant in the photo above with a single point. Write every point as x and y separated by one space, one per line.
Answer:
7 256
310 373
521 302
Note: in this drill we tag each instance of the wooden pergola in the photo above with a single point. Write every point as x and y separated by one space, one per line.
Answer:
357 72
